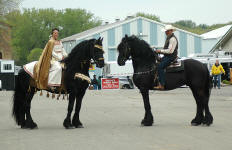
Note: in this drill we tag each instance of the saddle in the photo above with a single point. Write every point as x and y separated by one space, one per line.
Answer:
175 66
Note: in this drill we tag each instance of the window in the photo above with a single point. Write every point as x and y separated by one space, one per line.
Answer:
7 66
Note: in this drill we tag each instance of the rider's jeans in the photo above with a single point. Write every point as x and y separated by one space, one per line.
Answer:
217 80
166 61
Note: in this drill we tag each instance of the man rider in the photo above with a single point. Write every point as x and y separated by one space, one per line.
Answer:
170 54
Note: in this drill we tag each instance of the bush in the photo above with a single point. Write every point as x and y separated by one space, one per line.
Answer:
34 54
226 82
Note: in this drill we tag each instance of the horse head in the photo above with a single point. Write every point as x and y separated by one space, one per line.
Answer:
124 51
97 53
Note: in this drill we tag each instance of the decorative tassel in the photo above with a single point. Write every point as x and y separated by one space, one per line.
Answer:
63 96
47 94
53 95
29 89
41 93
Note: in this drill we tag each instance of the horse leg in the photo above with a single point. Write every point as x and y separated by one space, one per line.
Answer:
67 121
29 123
199 98
208 119
76 120
148 118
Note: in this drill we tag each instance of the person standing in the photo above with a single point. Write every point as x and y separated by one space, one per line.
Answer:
94 82
217 70
99 82
170 54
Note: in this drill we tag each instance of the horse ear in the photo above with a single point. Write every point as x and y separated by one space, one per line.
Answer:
99 39
126 36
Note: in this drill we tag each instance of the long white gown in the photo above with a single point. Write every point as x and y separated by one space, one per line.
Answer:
55 71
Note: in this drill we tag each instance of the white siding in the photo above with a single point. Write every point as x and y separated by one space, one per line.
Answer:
161 36
208 44
118 37
133 28
228 45
146 31
105 44
190 44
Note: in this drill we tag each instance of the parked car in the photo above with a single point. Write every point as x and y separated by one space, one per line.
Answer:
124 84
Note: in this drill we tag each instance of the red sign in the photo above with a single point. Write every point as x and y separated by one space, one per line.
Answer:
110 83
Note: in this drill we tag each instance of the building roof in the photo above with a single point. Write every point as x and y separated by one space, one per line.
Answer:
223 40
105 27
217 33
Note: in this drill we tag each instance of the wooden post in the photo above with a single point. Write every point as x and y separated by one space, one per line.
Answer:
230 75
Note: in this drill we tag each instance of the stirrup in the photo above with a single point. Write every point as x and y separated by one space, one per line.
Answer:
159 87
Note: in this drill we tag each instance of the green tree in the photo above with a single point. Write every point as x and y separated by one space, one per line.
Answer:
31 28
34 54
186 23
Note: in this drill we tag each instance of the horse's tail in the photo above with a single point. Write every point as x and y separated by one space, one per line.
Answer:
18 109
209 83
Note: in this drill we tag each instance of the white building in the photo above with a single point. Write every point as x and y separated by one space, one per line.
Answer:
209 39
144 28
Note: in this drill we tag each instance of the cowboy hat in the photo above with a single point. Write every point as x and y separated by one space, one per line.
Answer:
168 27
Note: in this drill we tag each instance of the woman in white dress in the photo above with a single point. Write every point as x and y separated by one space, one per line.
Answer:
58 53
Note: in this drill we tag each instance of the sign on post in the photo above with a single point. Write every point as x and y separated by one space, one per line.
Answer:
110 83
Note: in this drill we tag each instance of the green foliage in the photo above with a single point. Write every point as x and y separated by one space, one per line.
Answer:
149 16
186 23
34 54
226 82
32 27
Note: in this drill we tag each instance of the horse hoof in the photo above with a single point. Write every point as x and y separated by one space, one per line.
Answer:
79 126
67 124
69 127
29 124
146 123
207 123
195 123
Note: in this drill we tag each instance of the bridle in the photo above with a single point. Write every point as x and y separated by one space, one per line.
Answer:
94 53
127 52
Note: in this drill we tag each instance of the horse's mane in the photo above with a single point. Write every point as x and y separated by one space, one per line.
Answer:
140 47
79 52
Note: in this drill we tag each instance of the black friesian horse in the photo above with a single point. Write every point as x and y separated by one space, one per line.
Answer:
195 75
78 61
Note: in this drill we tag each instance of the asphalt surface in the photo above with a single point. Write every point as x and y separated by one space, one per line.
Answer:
111 120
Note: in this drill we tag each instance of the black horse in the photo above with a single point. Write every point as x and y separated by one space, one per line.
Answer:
78 61
195 75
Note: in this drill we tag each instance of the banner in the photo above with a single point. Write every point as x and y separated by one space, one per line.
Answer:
110 83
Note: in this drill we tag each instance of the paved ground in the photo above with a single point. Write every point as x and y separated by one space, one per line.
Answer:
112 122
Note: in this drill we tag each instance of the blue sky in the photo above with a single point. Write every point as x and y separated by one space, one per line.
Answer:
200 11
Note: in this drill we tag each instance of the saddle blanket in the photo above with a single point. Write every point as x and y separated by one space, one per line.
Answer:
55 72
175 67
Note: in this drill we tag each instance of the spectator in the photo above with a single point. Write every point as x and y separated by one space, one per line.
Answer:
94 82
99 82
217 70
